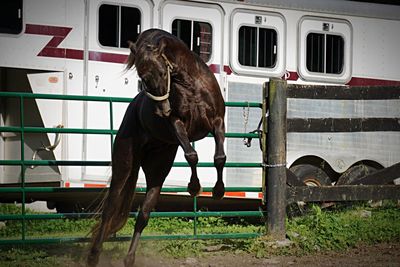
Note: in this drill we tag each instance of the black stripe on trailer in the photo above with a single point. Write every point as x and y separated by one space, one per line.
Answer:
324 125
343 92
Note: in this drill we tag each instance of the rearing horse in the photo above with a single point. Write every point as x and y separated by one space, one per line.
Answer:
181 102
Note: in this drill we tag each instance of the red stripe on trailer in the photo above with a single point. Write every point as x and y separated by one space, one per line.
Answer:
74 54
53 52
227 69
51 49
355 81
107 57
215 68
47 30
55 41
290 76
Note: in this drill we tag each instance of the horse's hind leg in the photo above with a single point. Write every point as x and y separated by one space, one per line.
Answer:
156 165
219 157
119 199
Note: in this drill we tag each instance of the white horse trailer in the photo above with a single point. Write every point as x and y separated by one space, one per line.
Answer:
78 47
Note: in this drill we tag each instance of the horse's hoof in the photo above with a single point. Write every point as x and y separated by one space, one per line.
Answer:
129 261
218 192
194 189
92 261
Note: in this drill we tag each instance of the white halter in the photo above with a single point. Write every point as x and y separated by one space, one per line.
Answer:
169 68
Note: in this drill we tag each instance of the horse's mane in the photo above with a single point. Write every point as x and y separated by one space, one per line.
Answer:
130 62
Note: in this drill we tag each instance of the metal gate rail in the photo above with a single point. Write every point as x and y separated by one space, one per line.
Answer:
23 189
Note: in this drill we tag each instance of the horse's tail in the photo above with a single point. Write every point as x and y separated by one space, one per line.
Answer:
97 213
114 215
113 210
120 214
132 56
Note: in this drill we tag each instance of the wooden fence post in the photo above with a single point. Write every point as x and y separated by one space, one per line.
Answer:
275 159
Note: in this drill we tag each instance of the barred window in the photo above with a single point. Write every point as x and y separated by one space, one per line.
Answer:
324 53
196 35
11 16
257 47
118 25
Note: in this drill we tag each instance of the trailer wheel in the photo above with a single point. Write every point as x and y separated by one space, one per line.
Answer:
351 176
64 207
51 205
311 175
354 173
68 207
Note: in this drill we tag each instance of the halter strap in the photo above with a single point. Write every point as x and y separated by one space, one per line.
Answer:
169 68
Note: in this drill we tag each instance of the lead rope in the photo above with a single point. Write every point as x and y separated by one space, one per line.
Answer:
169 69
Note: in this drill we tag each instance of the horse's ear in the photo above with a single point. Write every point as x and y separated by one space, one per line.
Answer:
158 48
132 56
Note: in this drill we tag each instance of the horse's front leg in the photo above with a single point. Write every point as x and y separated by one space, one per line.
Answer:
219 157
194 187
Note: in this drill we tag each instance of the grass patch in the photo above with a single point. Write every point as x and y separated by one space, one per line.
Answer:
338 230
320 230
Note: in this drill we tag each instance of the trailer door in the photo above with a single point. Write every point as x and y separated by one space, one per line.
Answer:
257 53
37 113
111 24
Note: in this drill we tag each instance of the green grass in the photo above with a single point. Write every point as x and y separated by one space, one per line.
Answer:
319 230
342 229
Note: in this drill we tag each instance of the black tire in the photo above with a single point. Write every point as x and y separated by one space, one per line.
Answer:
351 176
354 173
51 205
311 175
68 207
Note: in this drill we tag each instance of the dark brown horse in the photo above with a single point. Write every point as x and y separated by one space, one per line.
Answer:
181 102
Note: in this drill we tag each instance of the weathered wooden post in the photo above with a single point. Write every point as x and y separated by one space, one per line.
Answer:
275 158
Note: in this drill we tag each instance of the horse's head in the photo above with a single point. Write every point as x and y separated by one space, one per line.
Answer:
157 81
154 69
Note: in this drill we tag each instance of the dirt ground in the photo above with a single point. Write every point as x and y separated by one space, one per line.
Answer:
380 255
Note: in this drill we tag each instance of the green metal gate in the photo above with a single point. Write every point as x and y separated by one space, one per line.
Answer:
23 189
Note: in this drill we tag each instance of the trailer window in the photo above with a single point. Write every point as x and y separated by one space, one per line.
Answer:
324 53
118 25
257 47
196 35
11 16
